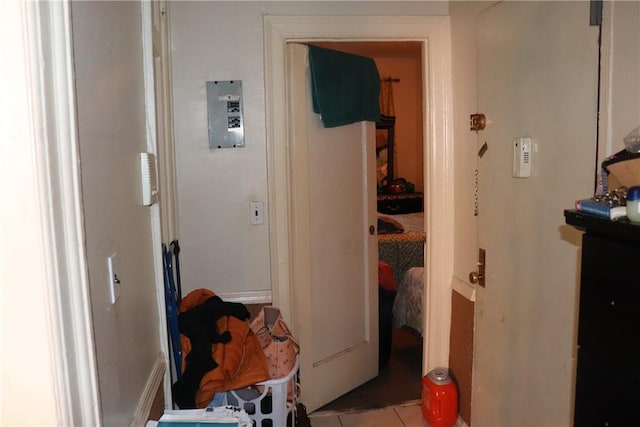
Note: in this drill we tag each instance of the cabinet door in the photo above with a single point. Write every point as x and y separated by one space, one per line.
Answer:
604 397
610 303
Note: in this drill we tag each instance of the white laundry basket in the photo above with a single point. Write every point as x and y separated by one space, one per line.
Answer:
276 414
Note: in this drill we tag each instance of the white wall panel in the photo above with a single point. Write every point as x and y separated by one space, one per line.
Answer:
224 41
111 132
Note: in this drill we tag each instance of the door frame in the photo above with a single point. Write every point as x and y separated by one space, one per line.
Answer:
57 280
434 34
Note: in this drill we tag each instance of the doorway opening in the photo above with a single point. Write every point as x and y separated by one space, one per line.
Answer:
433 34
399 64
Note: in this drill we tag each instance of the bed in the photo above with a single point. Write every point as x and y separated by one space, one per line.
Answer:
407 307
401 243
402 246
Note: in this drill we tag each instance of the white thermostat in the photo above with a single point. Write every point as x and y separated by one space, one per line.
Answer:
522 148
149 178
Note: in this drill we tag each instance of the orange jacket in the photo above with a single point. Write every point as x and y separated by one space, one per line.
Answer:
241 361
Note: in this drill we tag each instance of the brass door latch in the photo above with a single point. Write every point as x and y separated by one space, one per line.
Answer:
477 277
478 122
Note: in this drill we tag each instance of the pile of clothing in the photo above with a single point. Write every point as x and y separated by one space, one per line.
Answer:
220 352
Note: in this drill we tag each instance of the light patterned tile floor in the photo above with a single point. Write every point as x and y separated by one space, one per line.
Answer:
393 416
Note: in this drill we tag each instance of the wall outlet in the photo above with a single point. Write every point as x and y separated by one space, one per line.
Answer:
256 213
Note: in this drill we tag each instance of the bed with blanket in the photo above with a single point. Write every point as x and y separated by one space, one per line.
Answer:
407 307
401 241
401 244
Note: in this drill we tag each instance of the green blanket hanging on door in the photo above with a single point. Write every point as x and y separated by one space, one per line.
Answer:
344 87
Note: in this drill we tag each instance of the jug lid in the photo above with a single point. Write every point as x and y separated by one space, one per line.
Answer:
439 376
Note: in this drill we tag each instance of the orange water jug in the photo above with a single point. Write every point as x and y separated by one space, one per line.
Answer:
439 398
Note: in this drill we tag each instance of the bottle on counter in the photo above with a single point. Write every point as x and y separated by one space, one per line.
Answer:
633 204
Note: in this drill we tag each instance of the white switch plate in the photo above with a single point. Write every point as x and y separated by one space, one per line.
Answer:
114 281
256 213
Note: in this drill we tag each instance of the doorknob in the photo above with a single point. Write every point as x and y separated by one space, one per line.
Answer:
475 277
478 276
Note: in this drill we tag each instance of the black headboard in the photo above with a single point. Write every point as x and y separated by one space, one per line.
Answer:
386 125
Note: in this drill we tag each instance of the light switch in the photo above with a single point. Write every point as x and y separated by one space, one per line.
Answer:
114 279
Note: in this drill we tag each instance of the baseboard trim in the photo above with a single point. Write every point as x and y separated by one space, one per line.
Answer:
464 289
154 383
460 423
247 297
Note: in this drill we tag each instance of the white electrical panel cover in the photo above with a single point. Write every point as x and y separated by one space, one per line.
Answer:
224 111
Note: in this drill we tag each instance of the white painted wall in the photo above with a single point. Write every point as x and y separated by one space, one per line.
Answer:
111 132
27 367
620 94
542 270
408 107
224 41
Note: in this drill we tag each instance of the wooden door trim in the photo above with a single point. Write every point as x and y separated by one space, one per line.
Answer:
433 32
56 279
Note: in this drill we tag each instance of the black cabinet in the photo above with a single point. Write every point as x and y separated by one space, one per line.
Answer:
608 372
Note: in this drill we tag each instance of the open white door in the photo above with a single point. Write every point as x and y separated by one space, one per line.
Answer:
334 251
537 77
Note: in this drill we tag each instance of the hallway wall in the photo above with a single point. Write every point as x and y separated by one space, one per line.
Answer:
224 41
111 132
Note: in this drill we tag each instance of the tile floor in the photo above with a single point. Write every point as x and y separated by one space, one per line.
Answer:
405 415
397 383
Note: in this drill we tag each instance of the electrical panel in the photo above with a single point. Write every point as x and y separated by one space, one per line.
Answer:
224 111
